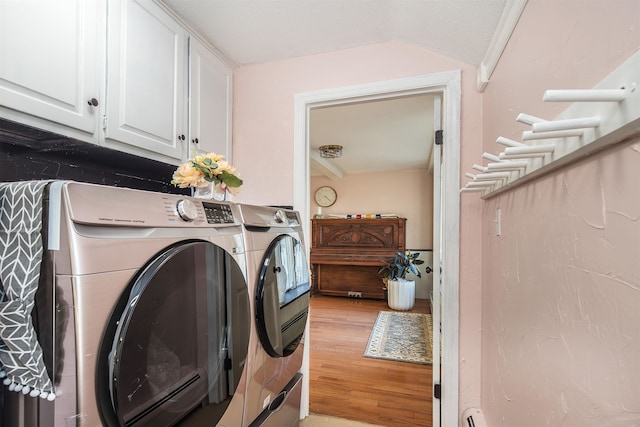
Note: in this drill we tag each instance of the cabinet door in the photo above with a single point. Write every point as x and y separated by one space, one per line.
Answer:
51 62
146 81
210 86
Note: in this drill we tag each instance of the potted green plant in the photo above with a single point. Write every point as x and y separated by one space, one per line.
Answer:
400 291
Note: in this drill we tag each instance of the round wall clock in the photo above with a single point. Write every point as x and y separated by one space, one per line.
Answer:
326 196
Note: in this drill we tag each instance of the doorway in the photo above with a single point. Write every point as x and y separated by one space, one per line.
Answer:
446 275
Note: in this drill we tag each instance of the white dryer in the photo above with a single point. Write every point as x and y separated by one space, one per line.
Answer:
143 316
279 289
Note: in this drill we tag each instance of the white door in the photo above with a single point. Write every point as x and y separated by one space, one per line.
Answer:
146 80
51 61
437 251
210 86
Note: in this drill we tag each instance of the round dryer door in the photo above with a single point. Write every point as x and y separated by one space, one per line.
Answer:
282 296
178 341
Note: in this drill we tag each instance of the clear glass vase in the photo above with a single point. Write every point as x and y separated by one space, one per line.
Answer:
211 191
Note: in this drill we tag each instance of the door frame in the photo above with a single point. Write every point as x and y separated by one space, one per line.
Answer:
448 84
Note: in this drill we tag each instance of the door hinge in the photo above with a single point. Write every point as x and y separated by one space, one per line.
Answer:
437 391
104 122
439 137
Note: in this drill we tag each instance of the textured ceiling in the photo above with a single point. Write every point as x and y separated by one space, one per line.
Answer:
383 135
257 31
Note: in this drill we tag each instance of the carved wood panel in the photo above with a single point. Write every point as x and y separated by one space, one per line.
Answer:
346 254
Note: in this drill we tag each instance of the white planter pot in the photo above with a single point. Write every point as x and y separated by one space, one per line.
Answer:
401 294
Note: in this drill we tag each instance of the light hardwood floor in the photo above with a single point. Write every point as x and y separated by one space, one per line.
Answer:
345 384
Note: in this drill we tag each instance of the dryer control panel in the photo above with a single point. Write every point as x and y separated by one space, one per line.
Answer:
268 216
292 218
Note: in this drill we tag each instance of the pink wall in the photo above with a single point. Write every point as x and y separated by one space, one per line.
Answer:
263 149
561 286
561 300
560 44
264 95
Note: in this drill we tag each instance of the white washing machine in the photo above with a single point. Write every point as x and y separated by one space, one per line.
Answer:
279 289
142 311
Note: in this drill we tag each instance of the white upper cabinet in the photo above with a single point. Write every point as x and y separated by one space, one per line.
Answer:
118 73
210 89
52 62
147 86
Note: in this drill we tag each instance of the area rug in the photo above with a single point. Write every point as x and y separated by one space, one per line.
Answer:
400 336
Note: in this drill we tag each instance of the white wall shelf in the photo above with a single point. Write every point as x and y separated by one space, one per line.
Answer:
597 118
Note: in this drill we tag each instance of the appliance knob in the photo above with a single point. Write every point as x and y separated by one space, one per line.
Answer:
280 216
187 210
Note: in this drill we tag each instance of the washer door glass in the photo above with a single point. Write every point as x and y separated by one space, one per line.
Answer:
178 341
282 296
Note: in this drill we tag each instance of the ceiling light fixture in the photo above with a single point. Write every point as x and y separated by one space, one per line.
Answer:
330 151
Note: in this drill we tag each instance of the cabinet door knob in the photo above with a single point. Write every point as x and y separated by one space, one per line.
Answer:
93 102
181 137
195 141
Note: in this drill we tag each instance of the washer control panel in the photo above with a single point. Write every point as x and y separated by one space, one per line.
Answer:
218 213
124 207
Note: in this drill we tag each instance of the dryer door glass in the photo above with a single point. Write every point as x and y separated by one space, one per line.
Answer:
178 341
282 296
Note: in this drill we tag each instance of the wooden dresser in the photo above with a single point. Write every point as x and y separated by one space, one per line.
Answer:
346 254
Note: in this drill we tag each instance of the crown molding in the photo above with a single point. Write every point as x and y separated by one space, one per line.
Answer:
506 25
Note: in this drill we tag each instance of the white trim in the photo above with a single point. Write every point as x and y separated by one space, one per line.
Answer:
508 20
451 251
436 297
325 167
449 84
